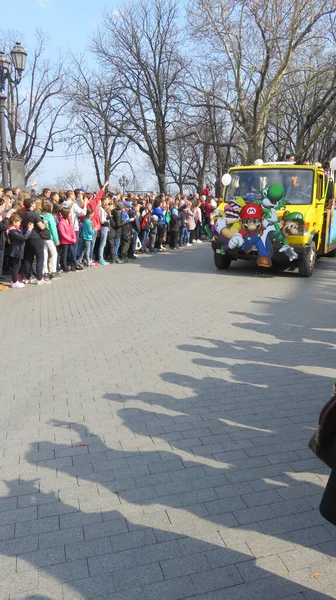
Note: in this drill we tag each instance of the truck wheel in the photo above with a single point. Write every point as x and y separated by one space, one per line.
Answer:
222 261
307 261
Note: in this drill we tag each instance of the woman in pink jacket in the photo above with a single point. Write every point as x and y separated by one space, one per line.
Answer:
68 240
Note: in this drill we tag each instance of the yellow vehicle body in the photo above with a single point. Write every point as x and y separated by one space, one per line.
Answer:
307 191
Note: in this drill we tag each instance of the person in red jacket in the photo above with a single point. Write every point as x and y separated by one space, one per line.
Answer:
207 190
68 240
94 205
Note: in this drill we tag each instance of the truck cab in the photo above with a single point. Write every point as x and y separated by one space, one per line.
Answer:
302 219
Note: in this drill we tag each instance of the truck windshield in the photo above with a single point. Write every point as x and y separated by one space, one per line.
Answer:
297 183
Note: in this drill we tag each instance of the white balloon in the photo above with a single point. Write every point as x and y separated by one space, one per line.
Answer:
226 179
333 164
259 162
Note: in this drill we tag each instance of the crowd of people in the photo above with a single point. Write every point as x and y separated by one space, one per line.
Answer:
43 236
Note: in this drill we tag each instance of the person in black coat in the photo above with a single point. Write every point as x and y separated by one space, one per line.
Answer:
328 502
175 223
4 222
17 240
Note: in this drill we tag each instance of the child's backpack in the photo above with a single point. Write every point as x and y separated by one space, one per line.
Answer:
323 442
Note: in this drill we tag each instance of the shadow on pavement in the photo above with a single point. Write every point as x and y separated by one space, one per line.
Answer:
225 505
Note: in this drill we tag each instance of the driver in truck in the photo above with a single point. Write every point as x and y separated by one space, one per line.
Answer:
301 192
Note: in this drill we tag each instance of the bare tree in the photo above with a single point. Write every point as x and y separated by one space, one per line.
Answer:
254 43
97 120
141 43
302 118
35 107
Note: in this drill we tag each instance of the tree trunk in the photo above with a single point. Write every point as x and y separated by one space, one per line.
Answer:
161 175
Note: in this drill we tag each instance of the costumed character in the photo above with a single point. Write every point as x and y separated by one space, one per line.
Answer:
225 223
290 224
252 220
273 200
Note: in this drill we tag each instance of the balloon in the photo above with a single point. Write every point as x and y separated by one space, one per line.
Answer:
226 179
333 164
259 162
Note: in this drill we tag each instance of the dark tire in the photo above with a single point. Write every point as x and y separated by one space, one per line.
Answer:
222 261
278 267
307 261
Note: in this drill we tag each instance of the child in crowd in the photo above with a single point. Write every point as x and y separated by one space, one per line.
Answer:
57 215
17 240
50 245
87 237
145 226
68 240
153 233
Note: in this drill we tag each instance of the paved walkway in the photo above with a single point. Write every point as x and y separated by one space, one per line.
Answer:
154 427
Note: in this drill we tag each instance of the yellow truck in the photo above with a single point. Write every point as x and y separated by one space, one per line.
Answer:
280 215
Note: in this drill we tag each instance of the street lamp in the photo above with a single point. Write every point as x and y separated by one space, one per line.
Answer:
123 182
19 57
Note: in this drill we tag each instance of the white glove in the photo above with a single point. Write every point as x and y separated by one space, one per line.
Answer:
290 252
236 241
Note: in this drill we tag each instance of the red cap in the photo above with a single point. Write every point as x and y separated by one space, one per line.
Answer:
251 211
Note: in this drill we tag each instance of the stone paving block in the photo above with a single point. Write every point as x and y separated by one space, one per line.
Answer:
223 505
87 549
261 498
79 518
144 575
105 529
36 526
193 473
174 589
301 557
193 546
8 504
216 579
18 515
7 532
157 552
266 546
310 536
7 565
19 545
19 583
40 558
55 508
256 513
101 586
290 507
186 565
294 522
115 561
156 479
133 539
167 466
254 570
61 537
68 571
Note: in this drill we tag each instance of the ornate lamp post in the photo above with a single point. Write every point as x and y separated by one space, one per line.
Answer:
123 182
19 57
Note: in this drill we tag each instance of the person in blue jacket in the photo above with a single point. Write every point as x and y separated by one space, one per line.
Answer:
159 211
